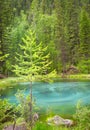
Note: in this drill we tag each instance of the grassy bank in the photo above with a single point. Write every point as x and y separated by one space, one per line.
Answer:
73 77
82 116
9 82
79 76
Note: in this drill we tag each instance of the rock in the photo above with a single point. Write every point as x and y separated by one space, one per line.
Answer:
68 122
2 76
19 127
35 117
57 120
70 70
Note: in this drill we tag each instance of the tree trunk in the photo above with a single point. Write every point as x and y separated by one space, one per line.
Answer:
31 114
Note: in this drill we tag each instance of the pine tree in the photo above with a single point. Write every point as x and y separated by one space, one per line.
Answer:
33 63
5 20
85 34
41 23
84 51
72 29
60 42
2 58
13 38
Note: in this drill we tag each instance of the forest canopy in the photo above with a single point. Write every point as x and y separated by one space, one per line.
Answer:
61 25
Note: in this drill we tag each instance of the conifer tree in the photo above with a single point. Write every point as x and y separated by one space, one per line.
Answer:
84 62
41 23
72 29
2 58
84 34
13 38
5 20
33 63
60 42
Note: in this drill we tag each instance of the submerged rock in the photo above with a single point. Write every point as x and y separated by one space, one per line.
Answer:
57 120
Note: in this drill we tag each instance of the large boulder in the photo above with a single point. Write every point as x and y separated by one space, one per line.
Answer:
57 120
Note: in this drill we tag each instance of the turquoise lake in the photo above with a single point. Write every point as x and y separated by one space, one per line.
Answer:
59 97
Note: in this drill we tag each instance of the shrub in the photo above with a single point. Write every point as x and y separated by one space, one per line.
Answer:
7 112
24 107
84 66
82 117
44 126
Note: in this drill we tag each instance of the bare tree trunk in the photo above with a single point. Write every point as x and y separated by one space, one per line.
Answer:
14 124
31 113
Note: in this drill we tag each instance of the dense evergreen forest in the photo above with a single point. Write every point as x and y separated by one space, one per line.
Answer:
61 25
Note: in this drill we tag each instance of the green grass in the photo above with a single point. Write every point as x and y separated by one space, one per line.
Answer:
11 81
44 126
74 77
81 119
79 76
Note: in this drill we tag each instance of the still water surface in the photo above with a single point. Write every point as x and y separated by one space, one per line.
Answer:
60 97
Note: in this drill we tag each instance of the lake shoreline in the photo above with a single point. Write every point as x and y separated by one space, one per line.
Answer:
11 81
64 110
56 96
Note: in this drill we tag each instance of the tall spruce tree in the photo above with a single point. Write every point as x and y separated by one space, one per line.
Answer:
60 37
5 20
33 63
72 29
13 38
84 62
85 34
2 59
41 23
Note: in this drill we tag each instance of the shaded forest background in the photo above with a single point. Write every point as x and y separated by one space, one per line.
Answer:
62 25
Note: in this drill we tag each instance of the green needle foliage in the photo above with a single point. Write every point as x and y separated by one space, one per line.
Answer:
32 63
7 112
2 58
62 25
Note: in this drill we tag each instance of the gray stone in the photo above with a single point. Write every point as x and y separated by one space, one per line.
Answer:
19 127
35 117
57 120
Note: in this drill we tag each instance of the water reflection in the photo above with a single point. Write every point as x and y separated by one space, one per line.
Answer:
57 95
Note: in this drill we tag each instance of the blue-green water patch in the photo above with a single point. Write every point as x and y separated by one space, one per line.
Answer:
60 97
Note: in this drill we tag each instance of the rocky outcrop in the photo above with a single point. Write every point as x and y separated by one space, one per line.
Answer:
57 120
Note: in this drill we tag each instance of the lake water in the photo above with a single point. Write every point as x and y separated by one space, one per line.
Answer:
59 97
